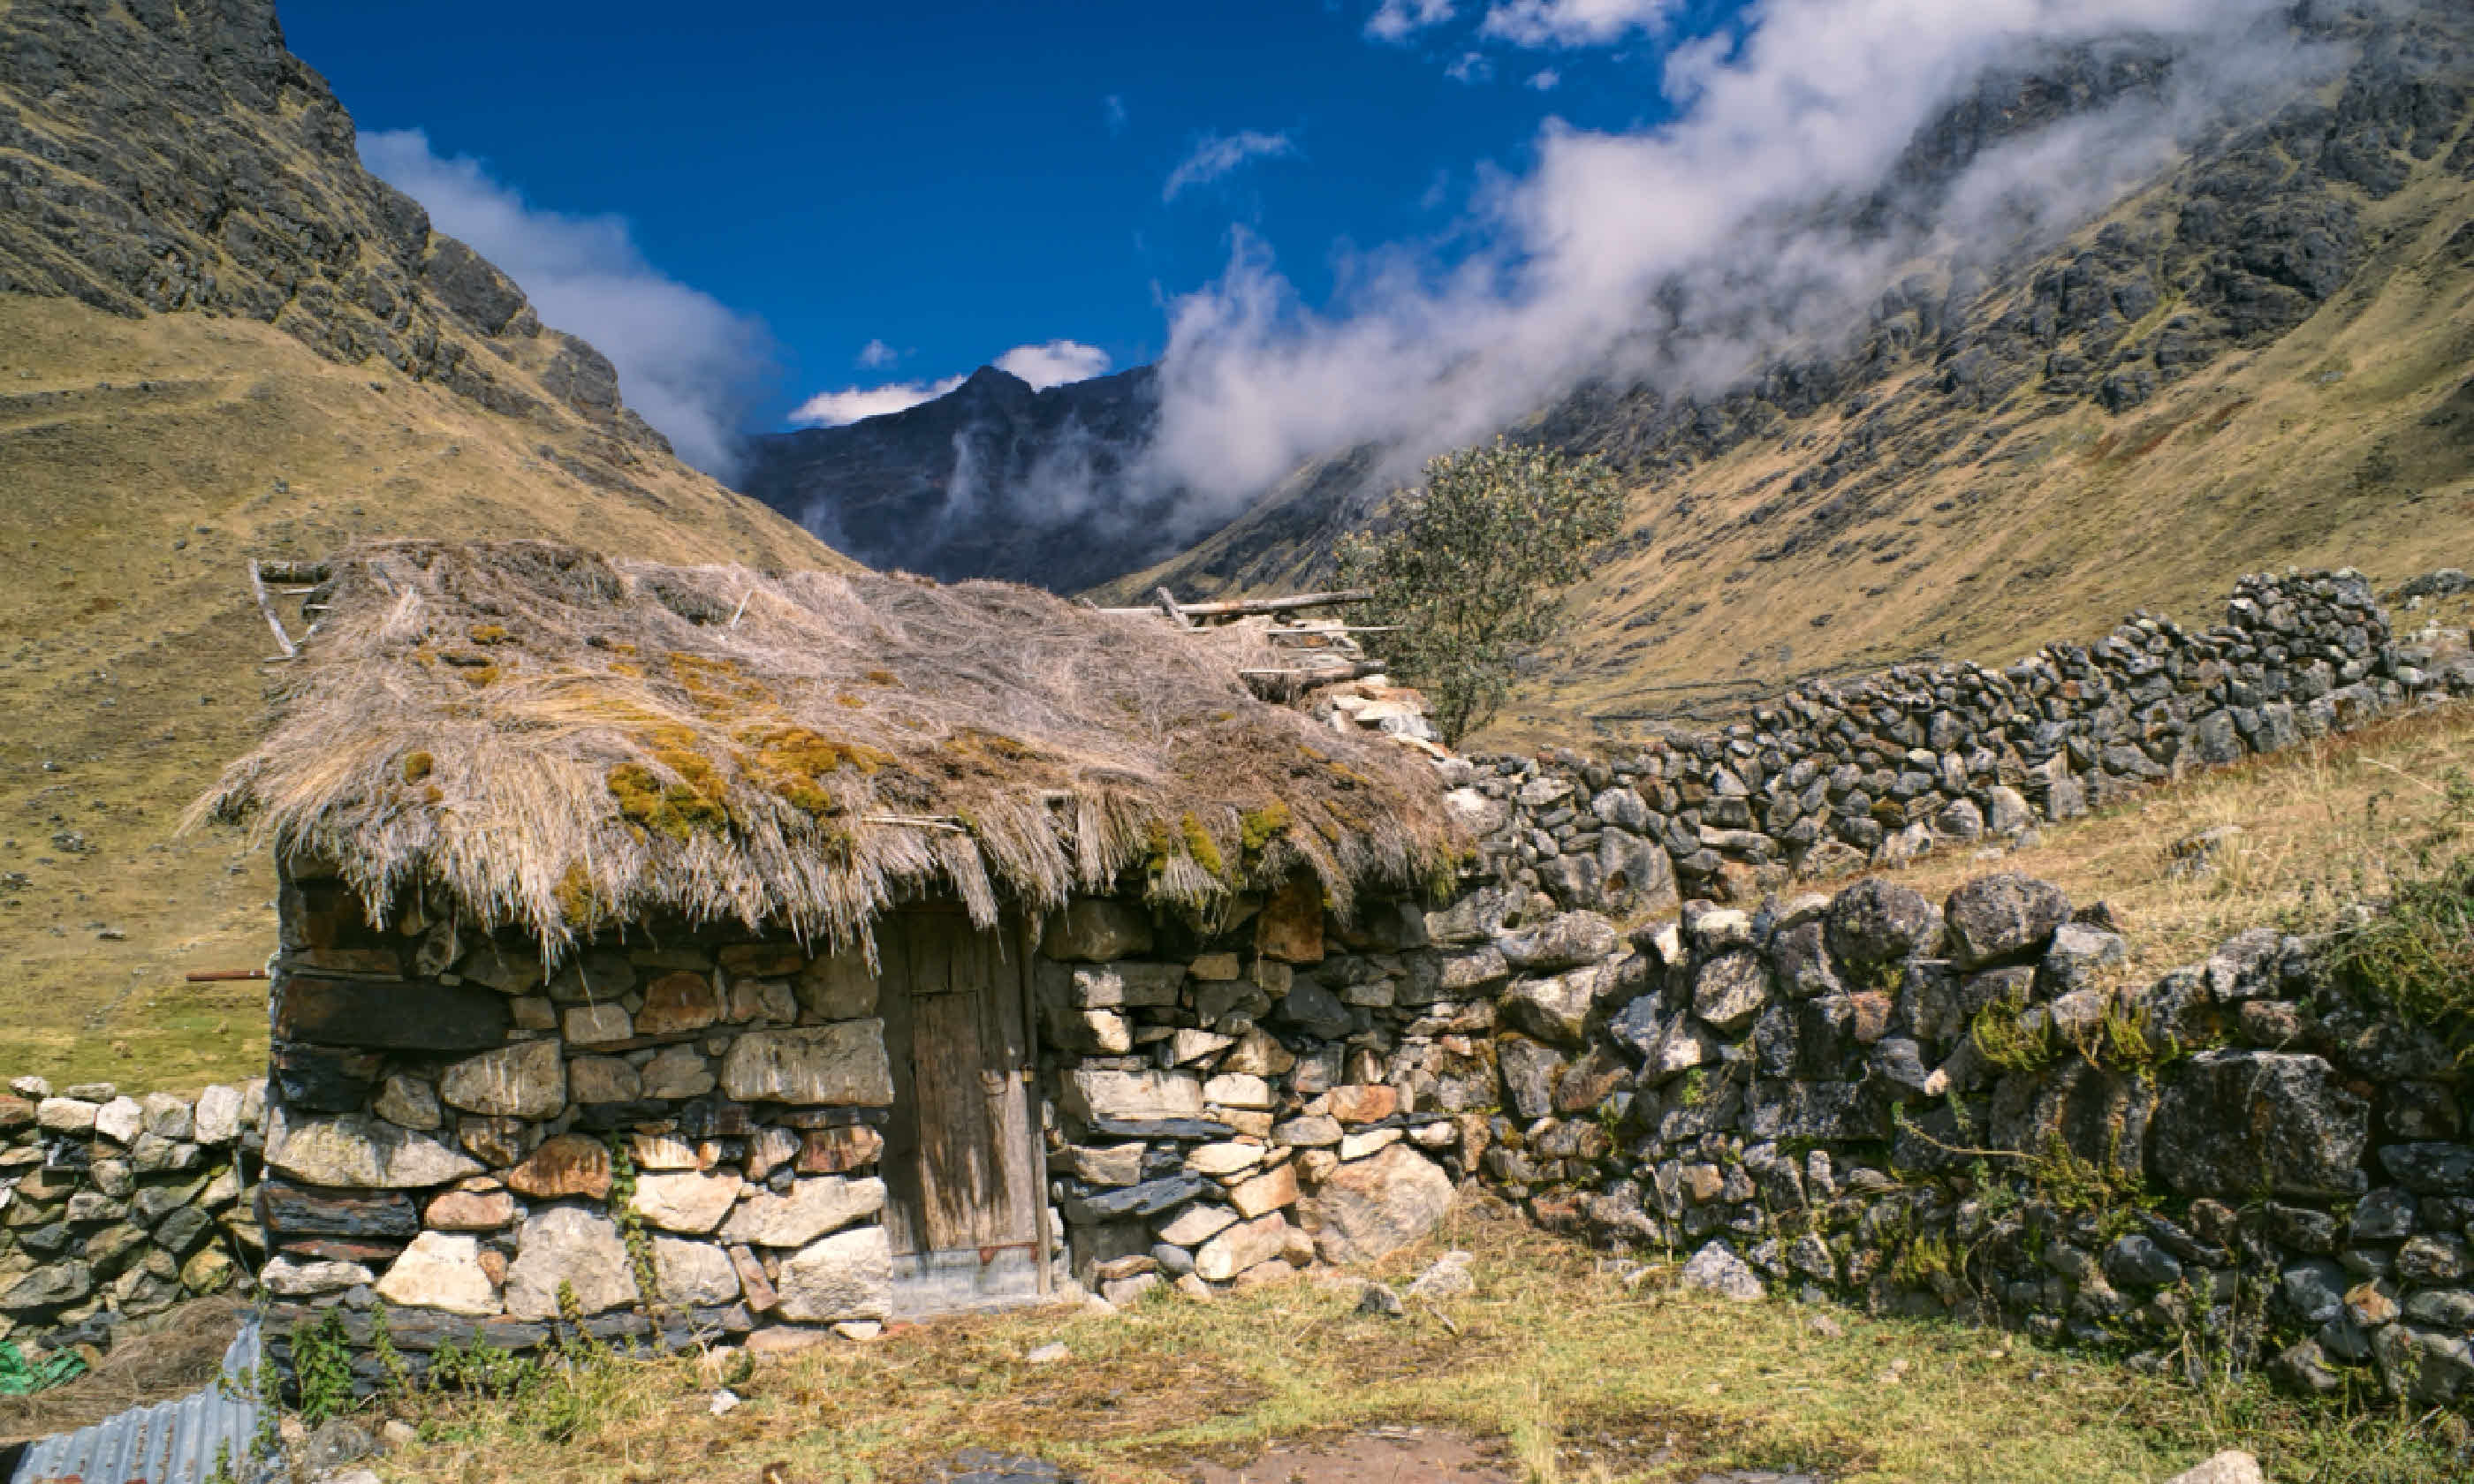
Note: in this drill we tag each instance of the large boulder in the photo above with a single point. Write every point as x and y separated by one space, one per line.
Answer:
2239 1124
2001 916
1375 1206
1239 1246
848 1275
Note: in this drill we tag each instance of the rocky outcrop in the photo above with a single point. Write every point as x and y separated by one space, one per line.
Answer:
161 159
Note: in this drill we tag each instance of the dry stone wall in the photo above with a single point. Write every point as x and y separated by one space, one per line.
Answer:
114 1208
1881 769
669 1138
1966 1109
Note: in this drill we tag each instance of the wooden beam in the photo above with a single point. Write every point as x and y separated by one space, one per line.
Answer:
266 605
1168 606
1234 608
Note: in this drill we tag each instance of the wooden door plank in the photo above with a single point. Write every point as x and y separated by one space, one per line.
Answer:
957 1159
899 1164
1019 1164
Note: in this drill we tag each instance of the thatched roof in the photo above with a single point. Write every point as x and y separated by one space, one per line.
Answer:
568 742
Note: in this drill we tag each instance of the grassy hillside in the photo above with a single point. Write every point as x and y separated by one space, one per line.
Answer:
1971 482
144 462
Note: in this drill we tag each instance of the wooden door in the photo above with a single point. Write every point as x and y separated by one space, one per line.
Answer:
963 1173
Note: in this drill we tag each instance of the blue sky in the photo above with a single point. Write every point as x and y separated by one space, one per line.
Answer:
946 181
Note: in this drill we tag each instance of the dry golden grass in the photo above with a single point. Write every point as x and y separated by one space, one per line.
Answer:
143 461
1571 1371
2337 821
178 1352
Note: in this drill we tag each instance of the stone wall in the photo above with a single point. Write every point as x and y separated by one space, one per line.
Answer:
114 1208
675 1134
1963 1108
1240 1101
1881 769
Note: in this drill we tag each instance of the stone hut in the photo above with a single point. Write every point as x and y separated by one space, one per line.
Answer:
698 951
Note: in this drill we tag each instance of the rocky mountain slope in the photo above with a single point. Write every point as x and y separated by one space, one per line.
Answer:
220 339
2257 360
992 479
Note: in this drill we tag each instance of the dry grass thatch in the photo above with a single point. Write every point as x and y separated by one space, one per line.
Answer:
568 742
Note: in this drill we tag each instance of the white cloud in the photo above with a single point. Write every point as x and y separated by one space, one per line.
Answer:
832 409
1053 364
1572 22
877 353
1217 155
688 364
1396 20
1114 108
1688 254
1471 67
1545 79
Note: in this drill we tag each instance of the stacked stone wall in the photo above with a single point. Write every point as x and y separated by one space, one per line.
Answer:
1966 1109
114 1208
1881 769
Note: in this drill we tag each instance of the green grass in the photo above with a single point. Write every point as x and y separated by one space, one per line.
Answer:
1575 1365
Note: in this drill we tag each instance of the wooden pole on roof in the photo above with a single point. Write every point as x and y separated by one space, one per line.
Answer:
1168 606
1232 608
266 605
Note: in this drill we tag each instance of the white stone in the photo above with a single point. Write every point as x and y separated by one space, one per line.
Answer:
689 1201
1357 1146
441 1272
65 1115
288 1279
812 1208
848 1275
1375 1206
1196 1223
566 1245
1192 1045
527 1080
693 1272
218 1114
119 1120
167 1116
2230 1467
1237 1089
1241 1247
1224 1158
595 1025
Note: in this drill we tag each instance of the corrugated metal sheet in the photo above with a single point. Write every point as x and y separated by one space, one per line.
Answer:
169 1442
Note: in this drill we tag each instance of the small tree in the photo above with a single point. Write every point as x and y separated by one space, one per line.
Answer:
1471 569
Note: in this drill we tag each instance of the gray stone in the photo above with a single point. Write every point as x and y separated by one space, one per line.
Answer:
1316 1011
2431 1168
1554 1009
1874 922
1730 990
2135 1259
2239 1124
1094 929
568 1246
1375 1206
2080 956
1094 1093
2002 917
694 1273
1716 1269
1635 878
846 1276
65 1115
1529 1072
837 986
218 1114
2314 1290
410 1102
48 1287
1563 942
843 1065
527 1080
355 1150
812 1208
